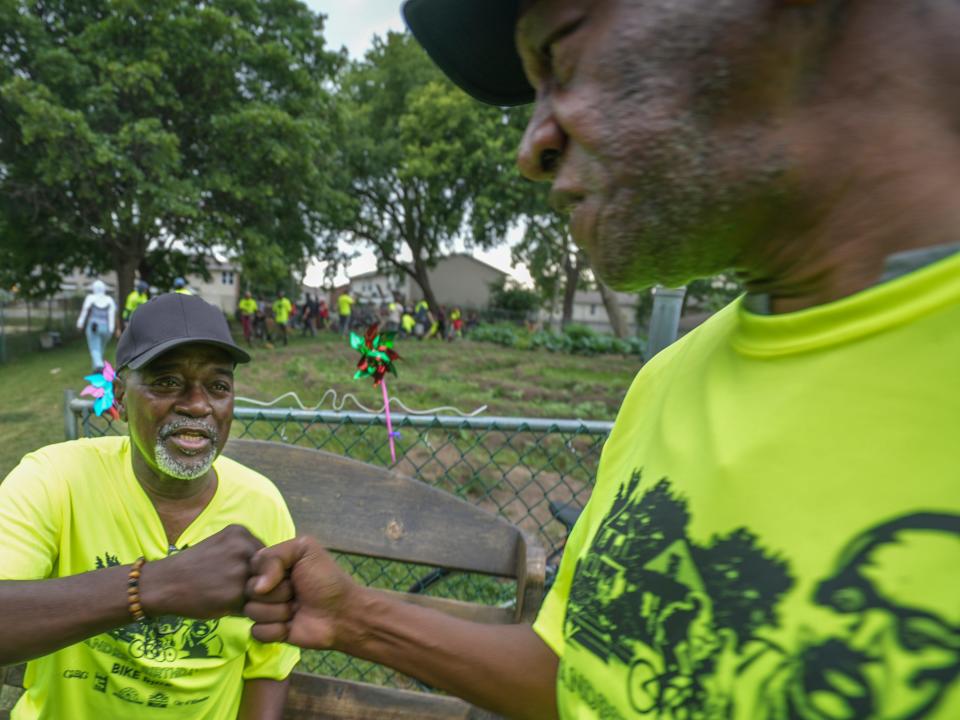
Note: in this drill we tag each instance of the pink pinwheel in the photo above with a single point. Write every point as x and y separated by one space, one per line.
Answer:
101 388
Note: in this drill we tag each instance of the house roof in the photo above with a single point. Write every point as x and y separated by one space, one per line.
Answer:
380 273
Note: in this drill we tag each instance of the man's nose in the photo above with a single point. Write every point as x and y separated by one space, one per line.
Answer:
195 401
542 146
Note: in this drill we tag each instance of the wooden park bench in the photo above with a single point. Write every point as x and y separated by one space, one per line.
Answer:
364 510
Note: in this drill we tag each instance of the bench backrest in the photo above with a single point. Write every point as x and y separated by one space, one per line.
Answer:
362 509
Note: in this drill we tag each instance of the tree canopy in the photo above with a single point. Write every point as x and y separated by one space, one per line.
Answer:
164 124
423 165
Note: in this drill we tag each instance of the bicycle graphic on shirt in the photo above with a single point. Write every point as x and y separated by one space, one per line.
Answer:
169 637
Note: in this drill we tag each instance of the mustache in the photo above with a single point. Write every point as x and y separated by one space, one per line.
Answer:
176 426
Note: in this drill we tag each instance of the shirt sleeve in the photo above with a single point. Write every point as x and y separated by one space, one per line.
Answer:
31 518
83 312
273 661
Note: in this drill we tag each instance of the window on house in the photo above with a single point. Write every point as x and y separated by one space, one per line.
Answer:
227 277
593 309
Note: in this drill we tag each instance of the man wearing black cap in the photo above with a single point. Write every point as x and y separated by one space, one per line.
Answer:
124 559
813 146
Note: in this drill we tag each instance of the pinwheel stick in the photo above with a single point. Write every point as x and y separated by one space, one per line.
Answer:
386 409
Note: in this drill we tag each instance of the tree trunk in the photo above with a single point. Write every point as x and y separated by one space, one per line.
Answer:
572 264
422 279
610 302
125 266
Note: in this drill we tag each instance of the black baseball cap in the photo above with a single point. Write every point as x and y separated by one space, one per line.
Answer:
473 43
170 320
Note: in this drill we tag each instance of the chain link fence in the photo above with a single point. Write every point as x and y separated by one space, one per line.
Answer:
519 468
30 325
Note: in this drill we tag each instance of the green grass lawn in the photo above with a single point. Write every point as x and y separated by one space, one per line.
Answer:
432 373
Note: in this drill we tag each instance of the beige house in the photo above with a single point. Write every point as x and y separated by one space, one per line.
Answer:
589 310
458 279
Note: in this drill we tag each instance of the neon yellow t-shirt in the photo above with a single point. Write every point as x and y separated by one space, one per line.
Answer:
345 304
77 506
775 529
281 310
247 306
408 322
134 300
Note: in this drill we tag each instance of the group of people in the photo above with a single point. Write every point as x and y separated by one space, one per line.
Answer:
774 528
262 320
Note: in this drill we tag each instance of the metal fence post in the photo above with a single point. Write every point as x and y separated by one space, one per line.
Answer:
665 318
70 429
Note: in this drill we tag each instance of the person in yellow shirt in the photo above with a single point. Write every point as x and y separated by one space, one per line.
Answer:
137 297
247 307
180 287
125 559
345 309
774 531
407 323
282 308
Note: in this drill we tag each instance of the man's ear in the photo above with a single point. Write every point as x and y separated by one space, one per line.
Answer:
119 394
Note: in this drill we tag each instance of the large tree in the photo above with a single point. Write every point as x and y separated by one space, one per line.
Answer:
127 125
425 165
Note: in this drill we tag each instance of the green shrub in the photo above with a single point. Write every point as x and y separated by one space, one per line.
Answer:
576 339
576 331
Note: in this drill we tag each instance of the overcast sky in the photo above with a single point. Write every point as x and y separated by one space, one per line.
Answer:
352 24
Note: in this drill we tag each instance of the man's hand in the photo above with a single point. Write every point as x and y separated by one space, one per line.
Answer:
321 591
506 668
207 580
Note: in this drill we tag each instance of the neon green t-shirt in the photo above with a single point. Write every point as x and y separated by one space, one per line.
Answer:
247 306
775 529
345 304
134 300
77 506
281 310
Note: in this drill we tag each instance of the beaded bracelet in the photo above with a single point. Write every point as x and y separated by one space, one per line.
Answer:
133 590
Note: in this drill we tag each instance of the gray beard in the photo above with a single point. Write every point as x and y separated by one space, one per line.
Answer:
176 469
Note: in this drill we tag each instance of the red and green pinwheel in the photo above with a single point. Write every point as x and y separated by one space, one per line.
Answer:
376 354
377 358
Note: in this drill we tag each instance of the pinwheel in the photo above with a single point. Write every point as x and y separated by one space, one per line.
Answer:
376 360
101 388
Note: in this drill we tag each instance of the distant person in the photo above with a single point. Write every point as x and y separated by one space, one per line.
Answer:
180 286
98 314
261 328
345 309
248 311
456 323
421 313
442 323
137 297
407 324
311 310
323 314
282 307
393 315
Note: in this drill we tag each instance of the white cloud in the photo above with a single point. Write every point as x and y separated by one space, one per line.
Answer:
353 23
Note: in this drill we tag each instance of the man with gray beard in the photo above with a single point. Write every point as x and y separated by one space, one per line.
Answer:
122 563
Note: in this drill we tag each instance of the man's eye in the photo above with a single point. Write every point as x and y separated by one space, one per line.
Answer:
166 382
